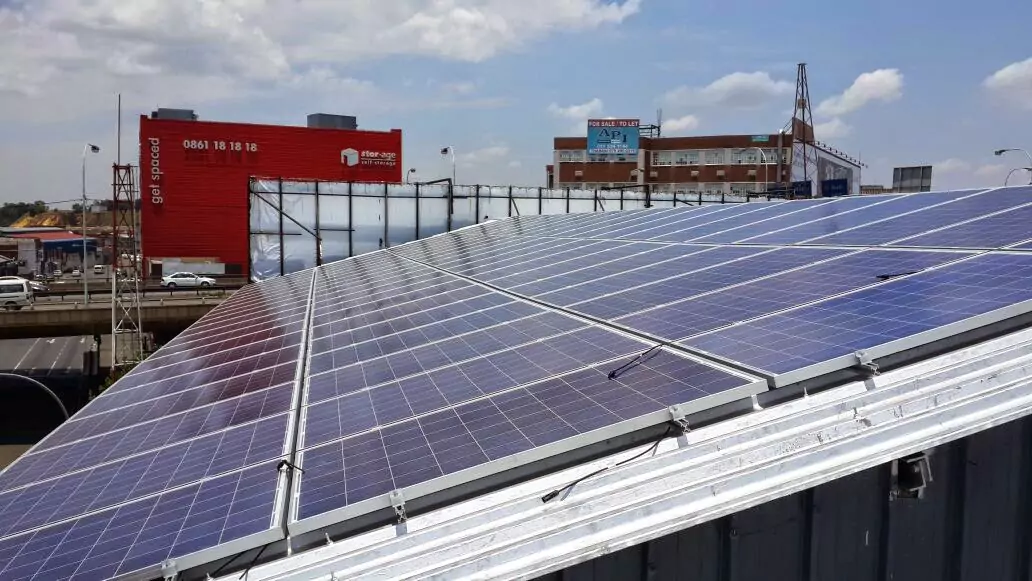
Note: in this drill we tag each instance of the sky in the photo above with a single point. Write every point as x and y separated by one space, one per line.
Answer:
893 83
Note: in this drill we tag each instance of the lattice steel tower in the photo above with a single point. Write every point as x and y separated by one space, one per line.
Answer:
126 327
804 152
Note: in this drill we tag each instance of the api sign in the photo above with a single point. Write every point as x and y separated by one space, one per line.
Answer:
613 136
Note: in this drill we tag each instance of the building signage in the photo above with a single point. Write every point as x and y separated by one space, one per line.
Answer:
613 136
157 195
760 138
352 157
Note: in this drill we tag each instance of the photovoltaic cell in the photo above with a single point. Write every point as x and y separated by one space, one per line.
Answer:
138 536
930 218
817 212
837 223
430 446
755 299
990 232
743 218
630 298
868 318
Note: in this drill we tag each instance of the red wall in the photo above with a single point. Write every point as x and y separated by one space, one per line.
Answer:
194 177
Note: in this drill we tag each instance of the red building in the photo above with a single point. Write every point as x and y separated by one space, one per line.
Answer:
194 176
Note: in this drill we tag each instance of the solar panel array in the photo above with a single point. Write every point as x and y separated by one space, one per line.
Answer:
428 367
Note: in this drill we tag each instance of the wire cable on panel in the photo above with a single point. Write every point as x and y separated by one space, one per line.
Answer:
638 360
645 452
896 275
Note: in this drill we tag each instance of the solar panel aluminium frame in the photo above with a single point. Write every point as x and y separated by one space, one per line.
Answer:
898 351
450 488
277 530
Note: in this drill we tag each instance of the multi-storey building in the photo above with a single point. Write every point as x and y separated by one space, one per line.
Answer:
731 164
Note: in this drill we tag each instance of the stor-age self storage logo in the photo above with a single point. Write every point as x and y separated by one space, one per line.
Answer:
352 157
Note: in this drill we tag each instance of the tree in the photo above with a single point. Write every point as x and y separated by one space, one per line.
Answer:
11 211
77 207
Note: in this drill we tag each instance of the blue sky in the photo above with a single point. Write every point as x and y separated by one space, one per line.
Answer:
936 83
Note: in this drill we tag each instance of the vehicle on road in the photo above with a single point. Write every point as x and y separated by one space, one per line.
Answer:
186 280
76 272
15 294
36 286
98 269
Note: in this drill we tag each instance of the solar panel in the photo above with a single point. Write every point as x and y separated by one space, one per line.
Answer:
896 206
432 371
930 218
909 312
734 304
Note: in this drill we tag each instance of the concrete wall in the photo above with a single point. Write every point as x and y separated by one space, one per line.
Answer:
974 524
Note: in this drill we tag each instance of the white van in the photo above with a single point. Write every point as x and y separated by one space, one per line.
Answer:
15 294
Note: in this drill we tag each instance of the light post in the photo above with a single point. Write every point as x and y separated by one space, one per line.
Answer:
1011 172
763 160
1000 152
88 148
450 150
408 174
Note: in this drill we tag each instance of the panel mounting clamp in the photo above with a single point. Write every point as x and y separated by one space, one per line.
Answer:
679 418
169 570
865 363
398 502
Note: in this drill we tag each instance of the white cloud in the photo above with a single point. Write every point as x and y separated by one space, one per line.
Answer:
76 54
952 165
582 111
991 170
834 128
883 85
486 155
515 163
735 91
680 125
1013 83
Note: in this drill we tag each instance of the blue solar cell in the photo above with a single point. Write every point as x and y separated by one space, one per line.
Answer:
817 212
693 220
755 299
327 325
762 212
140 535
585 285
114 483
452 385
646 222
383 369
894 207
654 254
551 266
629 298
996 231
209 369
206 409
207 455
901 308
930 218
386 343
189 389
422 449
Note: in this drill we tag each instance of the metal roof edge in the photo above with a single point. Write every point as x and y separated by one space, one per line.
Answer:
709 473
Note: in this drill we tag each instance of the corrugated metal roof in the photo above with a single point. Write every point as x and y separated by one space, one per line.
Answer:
709 473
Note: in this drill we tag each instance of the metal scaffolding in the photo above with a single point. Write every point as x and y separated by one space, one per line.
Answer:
126 324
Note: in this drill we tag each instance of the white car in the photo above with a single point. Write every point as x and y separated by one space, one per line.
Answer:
186 280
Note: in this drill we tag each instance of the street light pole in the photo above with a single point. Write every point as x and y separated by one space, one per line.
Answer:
408 174
89 147
763 160
1000 152
446 150
1011 172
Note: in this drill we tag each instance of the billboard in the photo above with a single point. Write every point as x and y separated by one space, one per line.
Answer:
912 179
194 178
613 136
835 188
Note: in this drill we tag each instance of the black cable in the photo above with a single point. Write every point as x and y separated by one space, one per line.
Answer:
253 561
227 563
897 274
638 360
289 464
645 452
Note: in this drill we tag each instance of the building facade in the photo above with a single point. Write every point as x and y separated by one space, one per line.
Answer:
725 164
194 178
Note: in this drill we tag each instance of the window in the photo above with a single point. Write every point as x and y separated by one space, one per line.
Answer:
714 157
686 158
571 155
745 156
10 288
662 158
771 155
741 189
